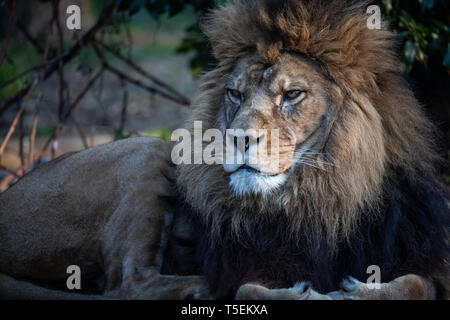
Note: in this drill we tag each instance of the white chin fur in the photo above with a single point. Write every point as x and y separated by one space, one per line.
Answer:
244 182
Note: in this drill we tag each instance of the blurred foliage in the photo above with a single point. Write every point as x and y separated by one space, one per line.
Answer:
193 41
163 133
120 135
45 131
424 28
422 24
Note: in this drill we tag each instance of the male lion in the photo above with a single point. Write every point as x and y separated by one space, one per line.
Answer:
355 185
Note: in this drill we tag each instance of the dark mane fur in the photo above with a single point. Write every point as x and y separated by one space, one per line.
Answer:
410 237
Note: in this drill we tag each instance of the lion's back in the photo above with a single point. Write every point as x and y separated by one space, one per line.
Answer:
78 192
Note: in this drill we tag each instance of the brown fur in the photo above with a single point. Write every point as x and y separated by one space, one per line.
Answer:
409 287
102 206
378 119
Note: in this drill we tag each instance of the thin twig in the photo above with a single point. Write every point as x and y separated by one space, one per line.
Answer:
6 182
82 94
81 133
30 39
24 73
34 127
98 93
11 130
129 38
11 172
123 118
21 136
12 19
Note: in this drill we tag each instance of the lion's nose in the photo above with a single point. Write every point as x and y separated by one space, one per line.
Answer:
242 148
248 140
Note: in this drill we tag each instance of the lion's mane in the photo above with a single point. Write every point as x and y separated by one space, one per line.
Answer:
379 203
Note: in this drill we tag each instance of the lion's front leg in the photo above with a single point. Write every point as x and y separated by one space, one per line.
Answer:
409 287
147 283
301 291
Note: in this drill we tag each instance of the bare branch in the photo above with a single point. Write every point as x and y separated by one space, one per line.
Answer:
11 130
21 137
34 127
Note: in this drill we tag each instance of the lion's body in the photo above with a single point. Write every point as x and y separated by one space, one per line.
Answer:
102 209
356 185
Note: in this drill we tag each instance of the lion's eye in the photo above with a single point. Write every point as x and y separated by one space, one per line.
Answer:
234 95
293 95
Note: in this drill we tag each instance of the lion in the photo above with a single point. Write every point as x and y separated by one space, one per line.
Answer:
355 186
103 210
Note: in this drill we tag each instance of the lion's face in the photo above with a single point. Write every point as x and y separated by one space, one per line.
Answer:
287 101
332 87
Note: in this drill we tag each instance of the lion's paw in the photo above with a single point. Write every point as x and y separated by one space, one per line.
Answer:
409 287
353 289
301 291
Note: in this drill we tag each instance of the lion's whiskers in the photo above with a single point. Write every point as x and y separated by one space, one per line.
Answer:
310 158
